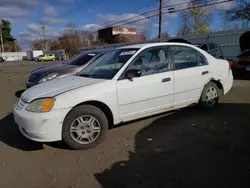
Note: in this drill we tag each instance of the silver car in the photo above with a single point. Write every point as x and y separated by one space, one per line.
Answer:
211 48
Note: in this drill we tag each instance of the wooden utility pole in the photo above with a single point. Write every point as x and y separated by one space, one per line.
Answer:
160 18
44 44
1 36
43 34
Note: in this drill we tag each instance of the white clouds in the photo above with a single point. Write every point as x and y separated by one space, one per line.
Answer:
90 27
12 11
20 2
164 24
224 6
33 28
37 29
53 20
50 11
34 32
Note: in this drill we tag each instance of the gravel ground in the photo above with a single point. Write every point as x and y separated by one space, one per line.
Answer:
184 148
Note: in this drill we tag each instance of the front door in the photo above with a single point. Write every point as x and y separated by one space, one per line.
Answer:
150 93
191 73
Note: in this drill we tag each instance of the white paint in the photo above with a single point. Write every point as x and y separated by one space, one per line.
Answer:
128 100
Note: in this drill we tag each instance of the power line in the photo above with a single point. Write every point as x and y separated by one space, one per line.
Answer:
171 8
145 13
121 21
171 11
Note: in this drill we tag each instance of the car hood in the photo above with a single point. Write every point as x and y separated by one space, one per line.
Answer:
56 87
50 69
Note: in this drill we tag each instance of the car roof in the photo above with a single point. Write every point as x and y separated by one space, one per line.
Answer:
147 45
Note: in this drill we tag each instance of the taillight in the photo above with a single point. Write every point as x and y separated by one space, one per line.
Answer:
229 65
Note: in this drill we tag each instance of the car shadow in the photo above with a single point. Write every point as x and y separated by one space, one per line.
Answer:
11 136
189 148
19 93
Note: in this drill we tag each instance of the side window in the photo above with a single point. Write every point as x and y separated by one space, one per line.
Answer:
211 46
201 60
184 57
151 61
204 47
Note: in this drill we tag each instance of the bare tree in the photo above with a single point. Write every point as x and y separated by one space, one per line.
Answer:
241 12
70 41
195 19
37 44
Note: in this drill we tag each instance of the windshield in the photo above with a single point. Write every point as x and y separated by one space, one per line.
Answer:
107 65
82 59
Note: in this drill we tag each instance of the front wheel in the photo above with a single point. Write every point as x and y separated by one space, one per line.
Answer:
84 127
210 96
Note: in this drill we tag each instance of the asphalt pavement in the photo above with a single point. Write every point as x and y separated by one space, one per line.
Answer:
184 148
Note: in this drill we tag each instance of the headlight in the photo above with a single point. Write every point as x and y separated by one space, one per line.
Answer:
48 77
41 105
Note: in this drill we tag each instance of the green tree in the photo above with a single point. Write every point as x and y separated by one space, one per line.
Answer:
6 31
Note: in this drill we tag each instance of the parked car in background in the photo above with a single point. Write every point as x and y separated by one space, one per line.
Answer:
121 85
60 70
37 58
211 48
47 57
242 63
2 60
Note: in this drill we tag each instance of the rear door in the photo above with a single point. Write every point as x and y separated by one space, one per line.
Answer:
191 73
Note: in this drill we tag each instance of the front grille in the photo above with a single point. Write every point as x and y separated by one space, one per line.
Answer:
20 104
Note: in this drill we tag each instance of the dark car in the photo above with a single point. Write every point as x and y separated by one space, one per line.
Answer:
242 63
2 60
60 70
211 48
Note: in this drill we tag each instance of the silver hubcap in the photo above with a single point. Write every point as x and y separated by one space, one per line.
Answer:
85 129
211 96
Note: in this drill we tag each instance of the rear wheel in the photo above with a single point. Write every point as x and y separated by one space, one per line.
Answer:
84 127
210 96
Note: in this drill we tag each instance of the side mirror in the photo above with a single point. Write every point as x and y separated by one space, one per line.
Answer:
133 73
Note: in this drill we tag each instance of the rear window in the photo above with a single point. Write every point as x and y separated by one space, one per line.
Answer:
245 54
82 59
211 46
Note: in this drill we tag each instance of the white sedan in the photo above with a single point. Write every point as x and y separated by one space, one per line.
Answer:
122 85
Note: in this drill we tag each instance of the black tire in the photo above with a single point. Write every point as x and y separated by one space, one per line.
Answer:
204 98
87 110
